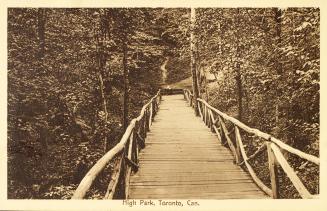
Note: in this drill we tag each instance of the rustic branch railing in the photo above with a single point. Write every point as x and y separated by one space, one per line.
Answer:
215 119
126 152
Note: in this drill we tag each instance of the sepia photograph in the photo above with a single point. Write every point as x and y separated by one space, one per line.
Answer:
163 106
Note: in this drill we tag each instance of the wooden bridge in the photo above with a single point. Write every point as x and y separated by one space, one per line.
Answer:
171 153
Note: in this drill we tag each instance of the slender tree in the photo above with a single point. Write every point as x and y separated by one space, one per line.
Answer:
100 35
193 63
238 76
279 68
126 84
43 128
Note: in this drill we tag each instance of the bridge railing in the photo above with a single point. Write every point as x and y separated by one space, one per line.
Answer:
169 91
126 152
216 120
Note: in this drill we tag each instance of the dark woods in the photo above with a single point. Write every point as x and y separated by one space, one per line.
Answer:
76 77
263 67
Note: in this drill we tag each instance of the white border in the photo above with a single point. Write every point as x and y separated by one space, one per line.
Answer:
117 205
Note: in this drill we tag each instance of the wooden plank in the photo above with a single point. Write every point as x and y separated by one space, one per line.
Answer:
188 169
219 184
218 161
193 178
186 156
204 157
183 159
223 195
203 187
197 179
233 183
167 192
170 173
146 173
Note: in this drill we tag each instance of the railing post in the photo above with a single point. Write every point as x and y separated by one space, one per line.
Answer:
143 129
123 171
140 129
150 116
205 114
154 108
221 132
211 119
158 102
273 170
137 129
146 121
208 117
128 168
213 122
238 148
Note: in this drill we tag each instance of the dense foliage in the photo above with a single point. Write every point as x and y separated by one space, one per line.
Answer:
76 76
277 52
267 66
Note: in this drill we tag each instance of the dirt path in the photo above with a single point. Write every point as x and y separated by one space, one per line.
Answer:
164 70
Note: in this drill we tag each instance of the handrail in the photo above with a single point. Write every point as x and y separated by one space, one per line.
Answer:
263 135
273 146
127 149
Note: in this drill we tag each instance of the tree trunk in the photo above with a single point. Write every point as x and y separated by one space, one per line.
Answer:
238 71
278 20
41 20
126 87
239 91
193 64
101 59
105 147
44 132
103 96
199 76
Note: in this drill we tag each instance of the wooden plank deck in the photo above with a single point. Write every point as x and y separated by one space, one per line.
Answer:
183 159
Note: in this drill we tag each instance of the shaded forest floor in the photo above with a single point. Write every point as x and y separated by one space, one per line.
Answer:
183 84
57 175
59 178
